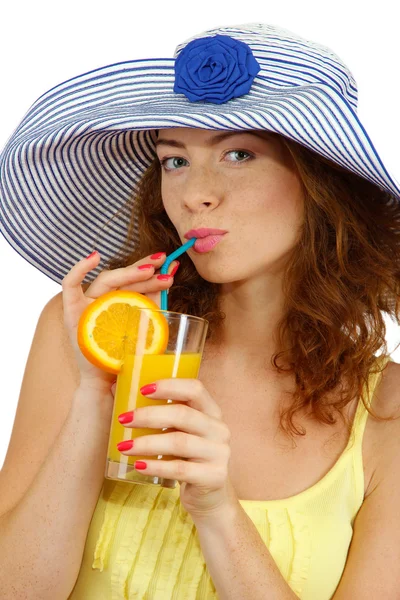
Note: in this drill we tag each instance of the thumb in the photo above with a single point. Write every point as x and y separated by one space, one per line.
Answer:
113 388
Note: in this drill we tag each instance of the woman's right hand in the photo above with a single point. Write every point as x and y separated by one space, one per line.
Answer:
75 300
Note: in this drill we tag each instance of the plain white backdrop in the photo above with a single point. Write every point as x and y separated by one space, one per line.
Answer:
43 43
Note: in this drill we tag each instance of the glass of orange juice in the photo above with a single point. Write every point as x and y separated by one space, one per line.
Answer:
159 345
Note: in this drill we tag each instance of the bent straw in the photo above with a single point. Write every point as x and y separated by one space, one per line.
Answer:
168 261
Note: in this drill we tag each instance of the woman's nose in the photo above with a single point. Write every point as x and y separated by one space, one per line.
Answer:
202 191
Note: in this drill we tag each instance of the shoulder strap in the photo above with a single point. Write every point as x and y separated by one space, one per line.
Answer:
361 416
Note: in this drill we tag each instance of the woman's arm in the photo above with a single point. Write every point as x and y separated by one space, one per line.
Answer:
54 468
238 560
43 537
373 564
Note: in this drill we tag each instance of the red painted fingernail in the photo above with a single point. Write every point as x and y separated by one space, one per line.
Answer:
122 446
157 255
174 270
126 417
163 277
148 389
143 267
91 255
140 464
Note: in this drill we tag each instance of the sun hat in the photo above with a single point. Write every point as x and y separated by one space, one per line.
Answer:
79 152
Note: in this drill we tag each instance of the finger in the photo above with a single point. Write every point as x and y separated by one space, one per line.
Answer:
72 283
173 267
191 391
196 473
178 444
165 279
178 417
156 296
153 285
127 277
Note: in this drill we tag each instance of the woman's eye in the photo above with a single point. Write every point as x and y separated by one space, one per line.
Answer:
174 163
240 154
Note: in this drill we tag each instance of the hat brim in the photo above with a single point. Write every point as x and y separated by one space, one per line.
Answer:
81 149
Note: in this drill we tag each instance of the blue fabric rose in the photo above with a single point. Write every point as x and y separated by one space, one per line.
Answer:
215 69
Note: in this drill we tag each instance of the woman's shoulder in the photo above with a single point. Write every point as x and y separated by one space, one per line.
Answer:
386 401
384 429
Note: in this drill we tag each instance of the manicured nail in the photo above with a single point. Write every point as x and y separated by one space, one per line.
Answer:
174 270
123 446
157 255
140 465
126 417
91 255
148 389
164 277
143 267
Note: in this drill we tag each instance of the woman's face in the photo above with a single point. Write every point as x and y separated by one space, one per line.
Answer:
244 184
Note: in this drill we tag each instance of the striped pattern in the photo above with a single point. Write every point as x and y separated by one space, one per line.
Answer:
77 156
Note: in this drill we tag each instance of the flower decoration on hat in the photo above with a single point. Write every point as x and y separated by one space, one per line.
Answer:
215 69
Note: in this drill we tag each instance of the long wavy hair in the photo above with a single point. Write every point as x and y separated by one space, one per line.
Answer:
342 273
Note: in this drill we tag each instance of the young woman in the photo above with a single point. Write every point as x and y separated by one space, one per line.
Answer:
290 487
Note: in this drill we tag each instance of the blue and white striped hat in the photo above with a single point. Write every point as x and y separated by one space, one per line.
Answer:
79 152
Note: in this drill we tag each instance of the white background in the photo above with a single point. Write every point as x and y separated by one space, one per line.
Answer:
43 43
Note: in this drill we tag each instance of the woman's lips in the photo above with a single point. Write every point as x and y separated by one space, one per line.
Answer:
207 243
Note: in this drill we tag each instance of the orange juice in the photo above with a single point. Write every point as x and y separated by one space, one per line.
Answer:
136 372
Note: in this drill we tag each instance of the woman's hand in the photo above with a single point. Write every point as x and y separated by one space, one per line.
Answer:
202 440
75 300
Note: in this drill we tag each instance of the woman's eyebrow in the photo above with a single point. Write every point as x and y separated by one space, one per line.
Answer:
213 140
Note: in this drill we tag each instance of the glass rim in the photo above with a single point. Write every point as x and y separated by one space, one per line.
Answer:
173 313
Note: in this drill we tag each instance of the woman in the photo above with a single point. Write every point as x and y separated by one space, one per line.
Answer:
290 485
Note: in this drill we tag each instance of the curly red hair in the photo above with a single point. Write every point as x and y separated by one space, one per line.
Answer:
343 272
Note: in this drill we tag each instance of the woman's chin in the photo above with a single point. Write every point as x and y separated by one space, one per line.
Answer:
216 275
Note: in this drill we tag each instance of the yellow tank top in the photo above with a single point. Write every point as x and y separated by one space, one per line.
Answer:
143 545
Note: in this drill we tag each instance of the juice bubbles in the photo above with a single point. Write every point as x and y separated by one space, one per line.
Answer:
136 372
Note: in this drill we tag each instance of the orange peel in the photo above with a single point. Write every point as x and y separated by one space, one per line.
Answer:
108 329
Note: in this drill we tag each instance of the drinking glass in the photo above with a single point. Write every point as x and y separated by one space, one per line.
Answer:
181 358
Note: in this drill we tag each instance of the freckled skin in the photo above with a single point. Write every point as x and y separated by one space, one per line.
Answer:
259 200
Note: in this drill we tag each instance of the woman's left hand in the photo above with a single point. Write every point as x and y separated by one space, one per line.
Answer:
200 437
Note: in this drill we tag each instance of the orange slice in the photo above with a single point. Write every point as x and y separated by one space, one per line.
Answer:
108 329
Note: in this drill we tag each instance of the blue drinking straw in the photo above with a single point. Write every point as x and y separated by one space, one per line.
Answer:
164 268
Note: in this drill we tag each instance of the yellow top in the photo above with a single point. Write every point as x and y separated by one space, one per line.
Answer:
142 544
